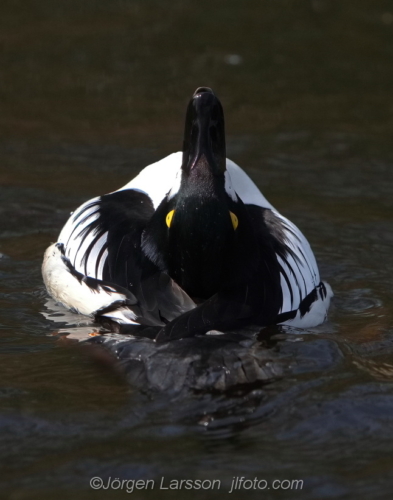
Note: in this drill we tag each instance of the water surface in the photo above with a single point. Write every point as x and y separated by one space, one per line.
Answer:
93 91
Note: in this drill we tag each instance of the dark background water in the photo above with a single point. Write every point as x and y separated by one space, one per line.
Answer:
91 92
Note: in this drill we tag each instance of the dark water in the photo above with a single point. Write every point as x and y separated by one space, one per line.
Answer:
91 92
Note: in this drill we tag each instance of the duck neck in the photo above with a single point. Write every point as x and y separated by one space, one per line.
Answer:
200 244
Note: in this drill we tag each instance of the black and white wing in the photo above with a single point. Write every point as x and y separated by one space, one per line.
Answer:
85 235
100 247
306 298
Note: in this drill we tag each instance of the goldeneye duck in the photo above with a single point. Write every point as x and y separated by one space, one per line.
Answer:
188 246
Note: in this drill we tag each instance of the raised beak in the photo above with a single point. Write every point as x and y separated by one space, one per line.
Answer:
204 134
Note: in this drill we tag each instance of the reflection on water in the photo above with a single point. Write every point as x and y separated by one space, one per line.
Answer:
91 92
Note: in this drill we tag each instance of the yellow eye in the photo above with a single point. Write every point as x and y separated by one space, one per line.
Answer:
235 220
169 218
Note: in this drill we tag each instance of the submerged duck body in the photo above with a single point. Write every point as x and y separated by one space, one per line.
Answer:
189 245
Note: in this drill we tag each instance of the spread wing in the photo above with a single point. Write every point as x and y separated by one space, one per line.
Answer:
85 235
301 287
299 270
102 241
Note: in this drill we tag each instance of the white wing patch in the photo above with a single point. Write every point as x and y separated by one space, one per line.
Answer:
72 293
318 310
158 179
300 274
83 247
237 181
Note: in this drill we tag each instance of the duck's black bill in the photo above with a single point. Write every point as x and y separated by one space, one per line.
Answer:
204 134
